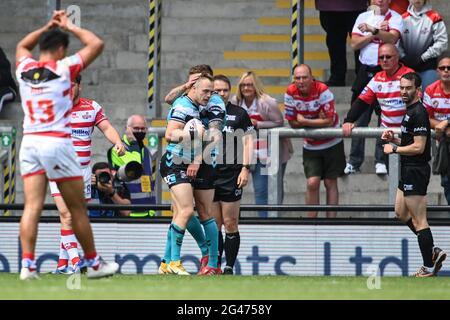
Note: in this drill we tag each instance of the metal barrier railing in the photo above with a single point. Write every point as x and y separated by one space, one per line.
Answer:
275 180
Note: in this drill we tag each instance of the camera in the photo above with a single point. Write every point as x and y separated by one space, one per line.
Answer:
103 177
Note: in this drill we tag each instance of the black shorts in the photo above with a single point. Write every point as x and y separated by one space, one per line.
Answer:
172 171
414 179
205 177
226 186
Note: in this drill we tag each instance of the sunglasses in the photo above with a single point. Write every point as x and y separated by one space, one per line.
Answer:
386 57
446 68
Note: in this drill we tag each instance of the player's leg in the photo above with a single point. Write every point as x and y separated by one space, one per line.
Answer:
182 196
312 194
34 188
203 201
69 243
231 212
216 212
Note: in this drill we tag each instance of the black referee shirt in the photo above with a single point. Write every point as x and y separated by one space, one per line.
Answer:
237 124
416 123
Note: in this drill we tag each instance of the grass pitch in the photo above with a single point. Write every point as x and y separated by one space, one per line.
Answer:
154 287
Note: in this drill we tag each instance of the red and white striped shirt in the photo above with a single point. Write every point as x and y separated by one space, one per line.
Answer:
45 88
319 99
85 116
437 101
386 89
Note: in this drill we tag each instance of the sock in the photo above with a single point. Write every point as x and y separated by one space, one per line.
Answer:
167 251
70 243
220 247
232 243
28 261
195 229
426 245
212 237
63 260
410 224
93 259
176 242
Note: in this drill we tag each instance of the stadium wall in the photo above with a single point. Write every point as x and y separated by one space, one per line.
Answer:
266 249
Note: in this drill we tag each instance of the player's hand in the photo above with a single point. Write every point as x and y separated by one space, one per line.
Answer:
64 22
54 21
347 129
192 79
242 179
387 135
388 148
192 170
120 148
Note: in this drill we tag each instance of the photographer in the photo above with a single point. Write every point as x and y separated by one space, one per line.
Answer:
106 190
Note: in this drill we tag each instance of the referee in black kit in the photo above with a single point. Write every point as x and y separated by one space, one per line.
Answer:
414 151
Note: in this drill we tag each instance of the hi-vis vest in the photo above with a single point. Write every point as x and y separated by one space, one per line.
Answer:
142 190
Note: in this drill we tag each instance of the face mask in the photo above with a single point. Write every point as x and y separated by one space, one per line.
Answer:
139 136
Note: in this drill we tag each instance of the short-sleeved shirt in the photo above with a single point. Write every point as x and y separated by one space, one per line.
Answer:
45 88
238 124
86 114
183 110
437 101
386 90
416 123
320 99
369 53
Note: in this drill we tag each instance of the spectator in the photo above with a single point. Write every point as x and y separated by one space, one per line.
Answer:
385 88
337 19
310 104
8 88
107 190
142 190
264 114
437 101
372 28
424 40
399 6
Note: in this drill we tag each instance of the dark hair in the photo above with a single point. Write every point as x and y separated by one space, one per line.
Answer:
445 54
413 76
223 78
201 68
100 165
78 79
53 39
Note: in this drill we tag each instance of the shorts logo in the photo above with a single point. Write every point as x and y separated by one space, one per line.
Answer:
171 178
408 187
183 174
237 192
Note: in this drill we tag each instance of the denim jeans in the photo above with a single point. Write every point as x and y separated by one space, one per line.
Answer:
428 77
445 183
261 184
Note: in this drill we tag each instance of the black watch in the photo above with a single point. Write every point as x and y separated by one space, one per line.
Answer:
112 194
376 31
394 148
246 166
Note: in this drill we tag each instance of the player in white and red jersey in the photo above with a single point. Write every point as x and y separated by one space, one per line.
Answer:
310 104
46 152
86 115
384 88
437 101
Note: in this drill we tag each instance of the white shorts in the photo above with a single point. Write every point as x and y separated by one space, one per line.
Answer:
87 184
54 157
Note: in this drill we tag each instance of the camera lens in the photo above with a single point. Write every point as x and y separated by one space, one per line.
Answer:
103 177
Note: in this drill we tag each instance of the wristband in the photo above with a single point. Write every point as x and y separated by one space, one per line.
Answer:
394 149
376 31
246 166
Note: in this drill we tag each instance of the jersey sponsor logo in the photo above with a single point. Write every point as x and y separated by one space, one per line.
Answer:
406 118
403 129
420 129
81 132
38 75
231 117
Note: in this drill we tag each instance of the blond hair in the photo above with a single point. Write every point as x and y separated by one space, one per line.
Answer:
257 84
